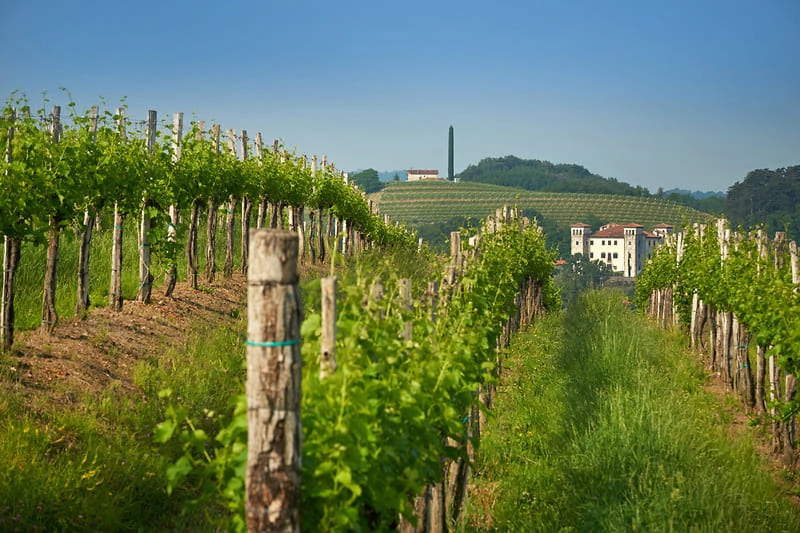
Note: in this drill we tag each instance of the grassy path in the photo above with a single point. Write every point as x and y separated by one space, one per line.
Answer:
603 425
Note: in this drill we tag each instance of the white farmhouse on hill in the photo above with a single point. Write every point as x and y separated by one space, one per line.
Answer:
417 175
624 248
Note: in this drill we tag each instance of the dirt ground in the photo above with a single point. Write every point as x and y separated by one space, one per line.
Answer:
87 355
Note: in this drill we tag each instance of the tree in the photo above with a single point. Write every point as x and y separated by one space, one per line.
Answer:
578 275
450 156
367 180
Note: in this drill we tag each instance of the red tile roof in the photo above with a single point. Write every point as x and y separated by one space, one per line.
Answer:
422 171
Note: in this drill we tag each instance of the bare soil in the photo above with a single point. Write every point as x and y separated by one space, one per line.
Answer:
87 355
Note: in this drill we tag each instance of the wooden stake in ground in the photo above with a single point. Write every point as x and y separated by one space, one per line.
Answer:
11 254
274 313
230 217
145 275
49 315
247 205
84 235
328 341
115 289
211 220
171 277
194 221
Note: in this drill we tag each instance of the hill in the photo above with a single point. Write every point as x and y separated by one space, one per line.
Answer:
440 201
536 175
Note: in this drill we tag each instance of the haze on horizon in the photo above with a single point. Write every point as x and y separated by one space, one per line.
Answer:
680 94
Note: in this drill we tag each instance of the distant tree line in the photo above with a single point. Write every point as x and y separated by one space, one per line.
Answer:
368 180
768 197
536 175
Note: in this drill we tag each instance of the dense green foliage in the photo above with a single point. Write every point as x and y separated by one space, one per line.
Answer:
367 180
712 204
536 175
768 197
603 424
746 283
373 431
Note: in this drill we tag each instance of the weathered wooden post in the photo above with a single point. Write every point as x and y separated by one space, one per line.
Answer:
327 360
115 286
247 206
790 381
49 314
455 250
194 222
274 312
84 235
171 277
408 304
145 275
230 213
11 254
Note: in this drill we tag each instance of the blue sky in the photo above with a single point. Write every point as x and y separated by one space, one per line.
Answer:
690 94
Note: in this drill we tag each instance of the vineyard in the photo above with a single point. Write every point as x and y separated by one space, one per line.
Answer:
390 422
59 174
736 296
356 401
439 201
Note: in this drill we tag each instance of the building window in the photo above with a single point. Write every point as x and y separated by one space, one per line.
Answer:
576 243
615 243
591 255
603 255
591 242
602 243
616 255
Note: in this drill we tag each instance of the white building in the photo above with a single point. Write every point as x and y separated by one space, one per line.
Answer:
624 248
417 175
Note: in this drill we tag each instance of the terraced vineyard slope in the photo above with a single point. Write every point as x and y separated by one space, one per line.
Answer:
439 201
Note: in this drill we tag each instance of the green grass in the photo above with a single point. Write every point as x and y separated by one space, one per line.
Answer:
97 468
603 425
439 201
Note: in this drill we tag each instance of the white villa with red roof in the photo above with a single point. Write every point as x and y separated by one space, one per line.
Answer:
419 175
624 248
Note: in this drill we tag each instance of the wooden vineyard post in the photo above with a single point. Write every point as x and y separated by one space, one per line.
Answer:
171 277
262 201
115 288
194 220
49 315
247 205
145 276
437 505
761 361
422 500
11 253
312 215
774 370
211 220
230 216
274 309
327 360
455 250
790 381
85 237
408 305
